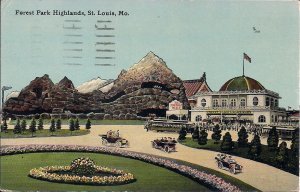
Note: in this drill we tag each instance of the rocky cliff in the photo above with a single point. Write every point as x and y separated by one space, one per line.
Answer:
145 88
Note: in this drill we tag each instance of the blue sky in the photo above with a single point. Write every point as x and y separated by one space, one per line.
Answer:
192 37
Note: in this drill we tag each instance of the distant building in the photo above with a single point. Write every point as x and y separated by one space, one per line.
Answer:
240 99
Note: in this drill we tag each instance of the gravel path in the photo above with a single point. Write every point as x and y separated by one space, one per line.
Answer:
261 176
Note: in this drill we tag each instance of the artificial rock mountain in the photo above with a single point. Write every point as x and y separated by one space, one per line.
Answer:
147 87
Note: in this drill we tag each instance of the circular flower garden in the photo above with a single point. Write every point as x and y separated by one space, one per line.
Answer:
82 171
210 180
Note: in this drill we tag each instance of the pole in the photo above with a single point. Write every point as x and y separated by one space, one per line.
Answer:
243 64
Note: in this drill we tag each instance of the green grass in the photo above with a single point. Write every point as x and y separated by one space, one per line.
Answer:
15 168
44 133
266 156
94 122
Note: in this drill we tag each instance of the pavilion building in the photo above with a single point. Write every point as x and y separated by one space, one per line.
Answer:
239 99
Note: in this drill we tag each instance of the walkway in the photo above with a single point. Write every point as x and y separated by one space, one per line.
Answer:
261 176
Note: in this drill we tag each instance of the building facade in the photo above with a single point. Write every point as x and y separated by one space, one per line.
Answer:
240 99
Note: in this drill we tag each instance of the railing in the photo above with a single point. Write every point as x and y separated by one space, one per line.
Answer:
238 108
238 92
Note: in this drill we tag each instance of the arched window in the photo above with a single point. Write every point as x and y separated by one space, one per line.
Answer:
261 119
243 102
203 102
255 101
267 101
215 103
198 118
233 102
224 103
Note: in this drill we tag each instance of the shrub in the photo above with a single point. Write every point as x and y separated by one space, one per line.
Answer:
255 147
83 166
273 139
195 134
243 137
88 124
182 134
216 134
40 124
202 140
282 155
227 143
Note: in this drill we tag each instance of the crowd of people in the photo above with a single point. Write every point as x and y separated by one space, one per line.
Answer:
250 128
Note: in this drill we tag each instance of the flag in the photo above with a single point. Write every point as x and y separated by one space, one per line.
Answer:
247 57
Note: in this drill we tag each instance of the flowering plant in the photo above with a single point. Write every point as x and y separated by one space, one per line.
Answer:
83 166
82 171
214 182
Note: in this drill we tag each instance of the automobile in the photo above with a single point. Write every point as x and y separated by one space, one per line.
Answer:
166 144
226 162
112 139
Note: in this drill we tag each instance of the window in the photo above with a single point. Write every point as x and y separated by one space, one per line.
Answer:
198 118
233 102
261 119
224 102
255 101
276 103
203 102
267 101
243 103
276 118
272 102
215 103
272 118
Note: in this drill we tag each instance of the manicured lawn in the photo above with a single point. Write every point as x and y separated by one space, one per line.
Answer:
266 156
44 133
82 122
15 168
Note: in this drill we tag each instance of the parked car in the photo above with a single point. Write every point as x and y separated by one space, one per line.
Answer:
226 162
113 139
167 144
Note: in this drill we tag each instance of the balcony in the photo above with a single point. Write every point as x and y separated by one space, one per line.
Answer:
238 108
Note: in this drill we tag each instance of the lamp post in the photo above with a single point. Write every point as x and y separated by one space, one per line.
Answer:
4 88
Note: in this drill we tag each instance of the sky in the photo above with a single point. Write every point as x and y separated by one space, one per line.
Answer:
192 37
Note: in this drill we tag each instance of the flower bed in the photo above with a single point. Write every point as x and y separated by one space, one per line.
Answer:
49 173
210 180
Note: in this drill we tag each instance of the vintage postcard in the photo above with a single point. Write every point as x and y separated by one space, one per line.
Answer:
149 95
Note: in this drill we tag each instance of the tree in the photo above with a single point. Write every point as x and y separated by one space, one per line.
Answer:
58 124
71 125
255 147
4 126
182 134
40 124
17 128
243 137
88 124
32 127
294 158
77 126
216 134
295 144
273 139
227 143
202 139
195 134
23 125
282 156
52 128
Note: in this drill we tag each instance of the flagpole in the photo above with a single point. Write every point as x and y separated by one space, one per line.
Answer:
243 64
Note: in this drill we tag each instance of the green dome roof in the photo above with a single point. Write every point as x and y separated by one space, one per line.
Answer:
242 83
